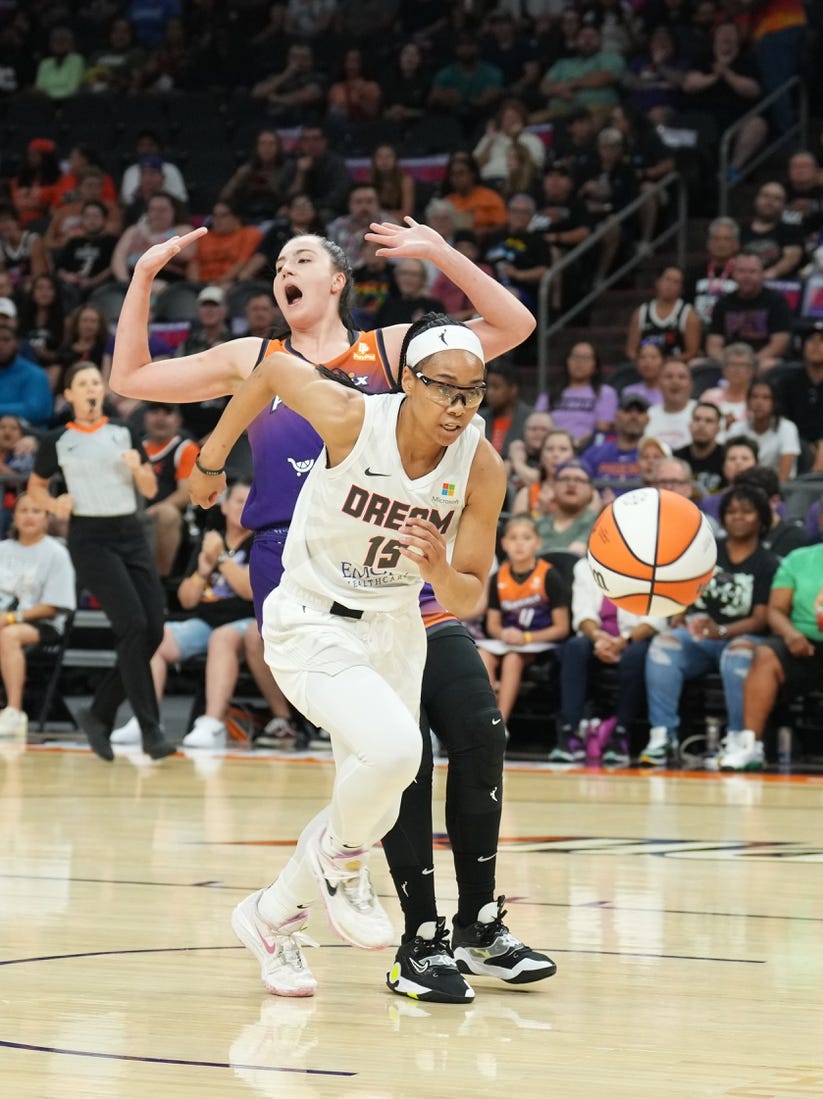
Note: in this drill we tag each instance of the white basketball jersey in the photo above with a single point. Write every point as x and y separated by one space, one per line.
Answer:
342 542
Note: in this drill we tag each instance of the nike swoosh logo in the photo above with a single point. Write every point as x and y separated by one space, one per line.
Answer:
497 720
371 473
332 889
486 858
429 871
269 949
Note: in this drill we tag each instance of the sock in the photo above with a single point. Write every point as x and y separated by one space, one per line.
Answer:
277 904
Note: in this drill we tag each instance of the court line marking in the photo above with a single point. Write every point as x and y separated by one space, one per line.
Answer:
29 1048
343 946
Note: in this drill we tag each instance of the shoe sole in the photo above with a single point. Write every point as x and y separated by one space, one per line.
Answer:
326 897
525 977
402 986
247 935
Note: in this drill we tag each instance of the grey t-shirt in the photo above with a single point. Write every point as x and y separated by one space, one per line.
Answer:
40 573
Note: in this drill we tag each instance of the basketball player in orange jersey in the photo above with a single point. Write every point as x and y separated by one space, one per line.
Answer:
312 287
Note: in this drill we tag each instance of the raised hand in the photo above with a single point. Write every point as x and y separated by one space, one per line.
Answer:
154 259
409 241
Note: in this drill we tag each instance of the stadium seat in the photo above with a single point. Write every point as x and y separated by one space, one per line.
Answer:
704 377
239 294
178 302
109 300
624 374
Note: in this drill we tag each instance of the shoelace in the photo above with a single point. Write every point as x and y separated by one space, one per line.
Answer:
439 943
357 890
292 948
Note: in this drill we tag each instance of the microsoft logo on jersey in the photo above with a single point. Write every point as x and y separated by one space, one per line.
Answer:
447 490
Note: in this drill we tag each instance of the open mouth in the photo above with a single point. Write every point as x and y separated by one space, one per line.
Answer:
293 294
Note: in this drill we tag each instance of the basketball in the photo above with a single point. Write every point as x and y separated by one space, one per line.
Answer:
652 552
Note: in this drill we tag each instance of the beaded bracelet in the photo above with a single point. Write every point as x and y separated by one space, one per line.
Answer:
209 472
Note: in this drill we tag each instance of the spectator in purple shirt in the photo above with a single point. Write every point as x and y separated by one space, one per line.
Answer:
585 406
615 462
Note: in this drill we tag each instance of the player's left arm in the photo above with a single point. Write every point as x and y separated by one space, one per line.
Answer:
334 411
459 584
503 323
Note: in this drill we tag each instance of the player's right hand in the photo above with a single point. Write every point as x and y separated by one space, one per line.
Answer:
154 259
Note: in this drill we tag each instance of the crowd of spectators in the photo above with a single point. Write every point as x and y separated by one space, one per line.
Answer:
514 129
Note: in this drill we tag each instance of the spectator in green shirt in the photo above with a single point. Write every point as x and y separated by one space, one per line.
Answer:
790 662
60 74
590 78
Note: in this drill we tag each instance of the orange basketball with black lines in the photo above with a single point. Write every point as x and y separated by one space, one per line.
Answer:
652 551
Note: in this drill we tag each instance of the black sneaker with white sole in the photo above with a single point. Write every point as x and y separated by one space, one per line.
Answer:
487 948
424 968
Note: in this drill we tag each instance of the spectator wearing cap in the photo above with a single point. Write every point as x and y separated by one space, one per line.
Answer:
614 463
60 73
22 253
567 526
219 257
468 87
9 317
24 387
148 145
209 329
704 453
171 453
649 452
588 79
801 392
670 419
751 314
32 189
150 183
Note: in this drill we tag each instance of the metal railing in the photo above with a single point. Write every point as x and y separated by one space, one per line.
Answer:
799 128
677 228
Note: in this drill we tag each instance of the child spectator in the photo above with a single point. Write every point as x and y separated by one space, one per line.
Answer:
528 611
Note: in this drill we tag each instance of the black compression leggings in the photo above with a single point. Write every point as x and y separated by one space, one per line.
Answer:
458 703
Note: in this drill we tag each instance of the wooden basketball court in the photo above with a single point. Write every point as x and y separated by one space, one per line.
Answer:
685 914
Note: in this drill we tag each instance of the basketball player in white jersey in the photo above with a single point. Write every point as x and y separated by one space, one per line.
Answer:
409 492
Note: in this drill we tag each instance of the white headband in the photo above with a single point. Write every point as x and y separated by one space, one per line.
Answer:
448 337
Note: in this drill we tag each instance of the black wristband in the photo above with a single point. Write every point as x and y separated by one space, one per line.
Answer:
209 472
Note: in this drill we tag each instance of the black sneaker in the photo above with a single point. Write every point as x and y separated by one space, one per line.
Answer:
424 968
569 748
488 949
